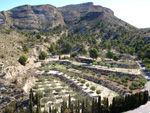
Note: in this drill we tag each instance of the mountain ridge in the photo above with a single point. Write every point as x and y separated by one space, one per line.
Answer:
47 17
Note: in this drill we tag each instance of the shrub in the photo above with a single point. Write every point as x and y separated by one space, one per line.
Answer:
35 86
142 81
99 75
25 48
125 84
108 65
58 90
74 54
42 55
87 85
46 70
135 84
98 92
110 77
131 87
41 78
93 88
118 81
94 63
47 90
83 81
93 73
101 63
23 60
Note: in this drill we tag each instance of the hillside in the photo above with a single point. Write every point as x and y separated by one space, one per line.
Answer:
46 17
80 51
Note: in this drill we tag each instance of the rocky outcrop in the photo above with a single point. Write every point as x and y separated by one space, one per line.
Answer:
39 17
72 13
46 17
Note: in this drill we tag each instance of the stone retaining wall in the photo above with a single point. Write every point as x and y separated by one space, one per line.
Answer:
72 84
100 71
107 84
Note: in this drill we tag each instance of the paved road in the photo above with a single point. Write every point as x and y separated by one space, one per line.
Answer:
146 107
142 109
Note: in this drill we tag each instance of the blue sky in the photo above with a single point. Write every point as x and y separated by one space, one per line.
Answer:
135 12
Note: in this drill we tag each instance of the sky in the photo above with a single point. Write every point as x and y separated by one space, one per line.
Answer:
135 12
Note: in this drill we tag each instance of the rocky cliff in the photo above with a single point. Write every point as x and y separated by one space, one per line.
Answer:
45 17
39 17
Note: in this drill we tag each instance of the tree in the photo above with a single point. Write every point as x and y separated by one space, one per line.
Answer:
115 58
93 53
147 53
99 104
31 101
67 47
23 60
109 54
38 110
83 107
69 101
52 47
42 55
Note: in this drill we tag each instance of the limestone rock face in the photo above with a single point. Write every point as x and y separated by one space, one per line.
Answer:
73 13
46 17
41 17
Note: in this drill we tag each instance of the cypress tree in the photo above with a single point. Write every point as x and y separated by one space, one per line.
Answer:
38 110
50 110
146 96
99 104
69 102
83 108
78 111
93 105
31 102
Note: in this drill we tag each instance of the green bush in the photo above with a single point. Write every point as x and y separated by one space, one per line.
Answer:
25 48
35 86
93 73
125 84
94 63
87 85
47 90
58 90
101 63
42 55
23 60
99 75
98 92
108 65
83 81
131 87
93 88
41 78
142 81
135 84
